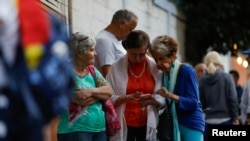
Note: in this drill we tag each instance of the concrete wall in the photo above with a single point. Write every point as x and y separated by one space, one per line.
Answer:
155 16
93 15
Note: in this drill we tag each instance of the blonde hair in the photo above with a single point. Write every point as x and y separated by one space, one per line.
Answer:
212 60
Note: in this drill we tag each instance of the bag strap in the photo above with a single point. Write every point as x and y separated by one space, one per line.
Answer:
169 104
91 70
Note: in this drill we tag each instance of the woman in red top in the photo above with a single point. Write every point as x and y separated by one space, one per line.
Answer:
134 79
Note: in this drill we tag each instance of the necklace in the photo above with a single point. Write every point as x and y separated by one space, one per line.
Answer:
140 75
81 73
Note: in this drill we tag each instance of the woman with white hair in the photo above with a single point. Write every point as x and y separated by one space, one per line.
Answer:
85 120
217 93
180 90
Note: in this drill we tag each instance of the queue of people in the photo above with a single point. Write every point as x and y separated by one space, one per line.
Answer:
140 77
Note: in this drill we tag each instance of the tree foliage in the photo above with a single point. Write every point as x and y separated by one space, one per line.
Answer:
215 25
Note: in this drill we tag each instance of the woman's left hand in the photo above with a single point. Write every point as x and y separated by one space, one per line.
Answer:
163 92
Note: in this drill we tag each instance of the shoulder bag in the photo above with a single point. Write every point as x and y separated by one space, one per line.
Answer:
165 127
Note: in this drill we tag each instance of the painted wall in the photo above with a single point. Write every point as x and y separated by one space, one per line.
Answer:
155 16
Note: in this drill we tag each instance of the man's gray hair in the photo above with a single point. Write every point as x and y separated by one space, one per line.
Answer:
123 14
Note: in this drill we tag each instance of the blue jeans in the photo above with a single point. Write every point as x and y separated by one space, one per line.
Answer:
83 136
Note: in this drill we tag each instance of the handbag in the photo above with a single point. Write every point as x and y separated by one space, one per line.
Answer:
165 126
112 120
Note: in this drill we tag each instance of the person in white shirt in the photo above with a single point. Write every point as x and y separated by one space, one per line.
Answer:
108 41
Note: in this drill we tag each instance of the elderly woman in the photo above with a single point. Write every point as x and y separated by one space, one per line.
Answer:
85 120
135 79
183 92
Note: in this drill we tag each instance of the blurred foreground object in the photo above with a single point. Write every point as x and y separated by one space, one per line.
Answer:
34 32
38 80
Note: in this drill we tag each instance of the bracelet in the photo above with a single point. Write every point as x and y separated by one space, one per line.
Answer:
128 97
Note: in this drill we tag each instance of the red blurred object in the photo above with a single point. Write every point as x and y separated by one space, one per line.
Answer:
34 22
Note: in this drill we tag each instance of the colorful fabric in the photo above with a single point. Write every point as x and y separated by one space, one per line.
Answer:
32 99
35 30
33 21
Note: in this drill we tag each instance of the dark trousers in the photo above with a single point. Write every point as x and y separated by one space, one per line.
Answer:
13 126
137 133
229 122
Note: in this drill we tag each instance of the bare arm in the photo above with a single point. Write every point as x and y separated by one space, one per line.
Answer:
103 92
145 99
120 100
89 96
105 69
124 98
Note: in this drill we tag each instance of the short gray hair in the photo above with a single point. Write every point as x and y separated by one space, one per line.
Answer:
81 42
165 45
123 14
